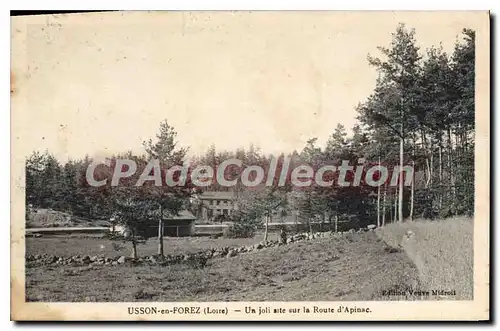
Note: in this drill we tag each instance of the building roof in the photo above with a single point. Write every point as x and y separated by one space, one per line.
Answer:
220 195
183 215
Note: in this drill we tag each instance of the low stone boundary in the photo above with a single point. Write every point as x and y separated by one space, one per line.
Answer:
198 259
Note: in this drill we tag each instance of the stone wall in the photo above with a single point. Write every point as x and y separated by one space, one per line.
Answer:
197 259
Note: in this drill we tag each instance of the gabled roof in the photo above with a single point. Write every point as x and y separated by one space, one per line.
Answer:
211 195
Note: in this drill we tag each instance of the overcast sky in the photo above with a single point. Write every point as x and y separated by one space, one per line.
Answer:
101 83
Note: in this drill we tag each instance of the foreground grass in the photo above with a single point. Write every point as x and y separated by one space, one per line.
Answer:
351 267
442 252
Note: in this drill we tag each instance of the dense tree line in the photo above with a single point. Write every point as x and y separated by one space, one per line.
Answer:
425 103
421 113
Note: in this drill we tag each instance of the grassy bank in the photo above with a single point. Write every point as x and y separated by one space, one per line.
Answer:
441 250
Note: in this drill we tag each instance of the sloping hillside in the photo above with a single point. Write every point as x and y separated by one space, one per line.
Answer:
442 252
47 218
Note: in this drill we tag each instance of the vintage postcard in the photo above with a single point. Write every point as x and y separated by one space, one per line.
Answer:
295 165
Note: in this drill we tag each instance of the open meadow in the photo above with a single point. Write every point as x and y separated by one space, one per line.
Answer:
357 266
418 256
100 246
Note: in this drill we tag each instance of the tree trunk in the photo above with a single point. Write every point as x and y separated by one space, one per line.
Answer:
391 211
378 201
326 217
266 229
160 236
134 249
378 207
401 151
383 205
336 222
412 194
428 170
431 150
450 168
310 212
395 216
440 201
412 197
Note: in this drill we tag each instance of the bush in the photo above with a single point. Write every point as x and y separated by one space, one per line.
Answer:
239 230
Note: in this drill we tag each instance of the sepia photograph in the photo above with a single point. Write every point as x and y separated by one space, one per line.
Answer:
250 165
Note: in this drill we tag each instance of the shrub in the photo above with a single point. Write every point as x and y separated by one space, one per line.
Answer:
239 230
117 247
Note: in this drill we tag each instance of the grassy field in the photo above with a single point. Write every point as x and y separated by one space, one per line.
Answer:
442 252
98 245
421 256
352 267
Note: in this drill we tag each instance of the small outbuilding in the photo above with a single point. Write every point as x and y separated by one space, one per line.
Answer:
179 225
